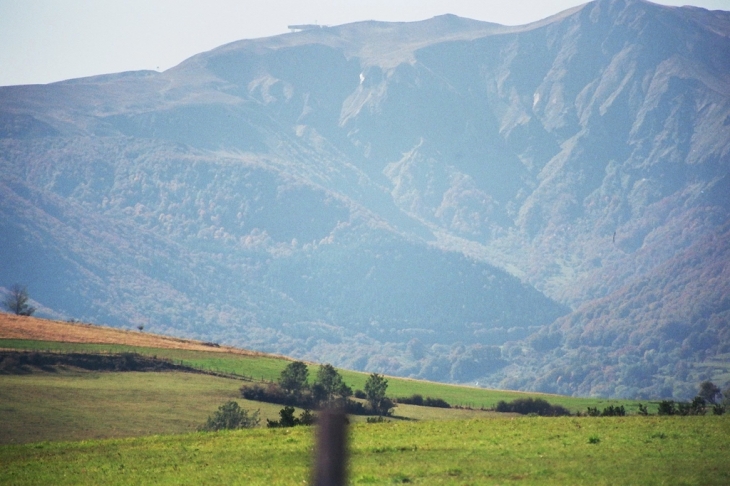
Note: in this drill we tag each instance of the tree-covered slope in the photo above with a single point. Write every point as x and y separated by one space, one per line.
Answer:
421 198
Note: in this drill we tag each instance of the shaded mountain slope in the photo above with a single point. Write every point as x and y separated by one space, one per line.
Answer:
419 198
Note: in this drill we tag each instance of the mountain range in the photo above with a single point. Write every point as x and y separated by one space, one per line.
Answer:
541 207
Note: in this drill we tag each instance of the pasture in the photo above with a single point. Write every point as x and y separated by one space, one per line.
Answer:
524 450
68 426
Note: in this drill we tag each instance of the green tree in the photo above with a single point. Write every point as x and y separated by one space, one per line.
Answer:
375 388
231 416
294 377
331 383
710 392
17 301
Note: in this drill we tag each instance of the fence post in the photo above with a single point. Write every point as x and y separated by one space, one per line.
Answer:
330 463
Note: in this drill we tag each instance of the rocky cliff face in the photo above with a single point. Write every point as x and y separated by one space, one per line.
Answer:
538 207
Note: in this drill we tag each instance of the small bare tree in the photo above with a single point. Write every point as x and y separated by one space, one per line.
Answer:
17 301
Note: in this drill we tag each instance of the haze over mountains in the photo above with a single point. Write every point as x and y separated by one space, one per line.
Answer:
542 207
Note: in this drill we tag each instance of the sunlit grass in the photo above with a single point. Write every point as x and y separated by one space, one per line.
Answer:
78 406
629 450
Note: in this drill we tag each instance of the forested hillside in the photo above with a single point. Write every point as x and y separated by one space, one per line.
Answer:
538 207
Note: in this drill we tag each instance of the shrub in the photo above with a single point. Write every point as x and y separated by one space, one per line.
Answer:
417 399
354 408
612 411
667 407
696 407
231 416
360 394
525 406
271 393
414 399
287 418
436 402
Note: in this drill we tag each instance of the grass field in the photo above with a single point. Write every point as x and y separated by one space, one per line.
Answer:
80 406
74 427
31 333
266 367
570 450
89 405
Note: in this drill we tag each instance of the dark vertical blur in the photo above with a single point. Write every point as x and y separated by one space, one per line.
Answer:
330 467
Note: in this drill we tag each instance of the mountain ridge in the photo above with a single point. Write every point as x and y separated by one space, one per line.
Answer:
559 164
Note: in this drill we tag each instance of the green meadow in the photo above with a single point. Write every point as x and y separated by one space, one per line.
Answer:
85 427
269 367
90 405
525 450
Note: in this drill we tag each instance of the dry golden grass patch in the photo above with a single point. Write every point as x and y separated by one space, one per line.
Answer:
20 327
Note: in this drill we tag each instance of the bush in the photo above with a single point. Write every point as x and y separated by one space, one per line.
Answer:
696 407
360 394
354 408
667 407
593 412
612 411
287 418
525 406
231 416
271 393
436 403
414 399
417 399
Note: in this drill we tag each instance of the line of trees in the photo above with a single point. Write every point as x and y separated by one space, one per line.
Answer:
709 397
327 391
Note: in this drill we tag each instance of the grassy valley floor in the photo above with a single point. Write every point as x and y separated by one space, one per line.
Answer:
525 450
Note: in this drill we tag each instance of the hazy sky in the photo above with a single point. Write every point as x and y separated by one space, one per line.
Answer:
42 41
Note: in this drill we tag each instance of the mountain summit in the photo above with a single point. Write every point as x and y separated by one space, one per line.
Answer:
541 207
